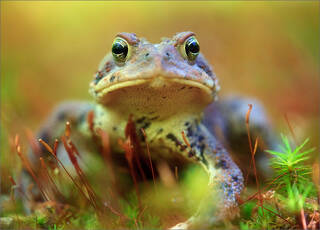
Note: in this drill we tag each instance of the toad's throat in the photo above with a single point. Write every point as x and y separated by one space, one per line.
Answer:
158 95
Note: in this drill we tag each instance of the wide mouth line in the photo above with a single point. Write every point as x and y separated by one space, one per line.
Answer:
128 83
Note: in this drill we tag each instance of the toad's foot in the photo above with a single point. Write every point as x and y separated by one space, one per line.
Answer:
225 182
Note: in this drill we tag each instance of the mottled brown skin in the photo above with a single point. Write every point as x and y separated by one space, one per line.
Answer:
166 93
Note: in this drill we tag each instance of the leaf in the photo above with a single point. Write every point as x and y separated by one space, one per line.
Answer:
301 146
285 140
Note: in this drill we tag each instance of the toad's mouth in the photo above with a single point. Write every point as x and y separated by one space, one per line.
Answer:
157 84
159 95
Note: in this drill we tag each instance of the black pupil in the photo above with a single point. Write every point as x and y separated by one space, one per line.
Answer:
193 47
120 49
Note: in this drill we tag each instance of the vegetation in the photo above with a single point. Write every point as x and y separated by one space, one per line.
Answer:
288 201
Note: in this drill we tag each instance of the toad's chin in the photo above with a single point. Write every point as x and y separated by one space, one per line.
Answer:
158 95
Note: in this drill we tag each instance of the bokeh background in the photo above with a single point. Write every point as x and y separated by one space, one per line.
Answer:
266 50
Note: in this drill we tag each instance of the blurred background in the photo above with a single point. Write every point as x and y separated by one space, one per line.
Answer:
264 50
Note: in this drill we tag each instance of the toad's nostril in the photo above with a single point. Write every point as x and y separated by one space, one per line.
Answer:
146 55
167 56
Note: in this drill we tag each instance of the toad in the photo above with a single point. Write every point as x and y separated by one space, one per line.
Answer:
166 88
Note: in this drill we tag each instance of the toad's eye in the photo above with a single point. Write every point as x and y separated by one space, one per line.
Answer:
191 48
120 49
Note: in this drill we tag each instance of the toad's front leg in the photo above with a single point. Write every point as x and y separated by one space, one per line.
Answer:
225 180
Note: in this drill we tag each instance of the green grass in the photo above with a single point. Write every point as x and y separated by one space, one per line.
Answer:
291 197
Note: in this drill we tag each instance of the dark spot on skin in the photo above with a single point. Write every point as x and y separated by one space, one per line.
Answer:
201 65
230 191
219 148
189 132
190 87
204 66
191 153
114 128
200 138
183 147
222 164
227 189
171 136
201 148
183 87
146 125
61 116
235 178
154 118
164 97
174 139
112 78
204 161
146 55
152 112
108 66
186 123
160 131
98 77
140 120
